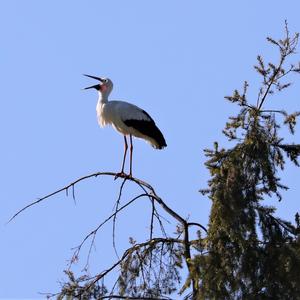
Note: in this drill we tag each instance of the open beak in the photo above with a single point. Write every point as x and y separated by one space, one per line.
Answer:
97 87
94 77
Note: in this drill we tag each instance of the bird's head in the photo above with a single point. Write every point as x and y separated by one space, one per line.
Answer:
104 87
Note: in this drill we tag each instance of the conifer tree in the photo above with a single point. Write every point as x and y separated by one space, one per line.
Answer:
251 253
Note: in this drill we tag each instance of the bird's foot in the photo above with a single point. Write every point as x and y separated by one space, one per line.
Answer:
122 175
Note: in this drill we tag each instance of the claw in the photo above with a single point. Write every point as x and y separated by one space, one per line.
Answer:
121 174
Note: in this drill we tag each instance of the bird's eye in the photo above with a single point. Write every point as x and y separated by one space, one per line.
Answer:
105 80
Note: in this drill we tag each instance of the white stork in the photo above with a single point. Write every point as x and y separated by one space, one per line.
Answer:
126 118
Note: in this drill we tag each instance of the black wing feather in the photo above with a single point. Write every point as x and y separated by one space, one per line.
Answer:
148 128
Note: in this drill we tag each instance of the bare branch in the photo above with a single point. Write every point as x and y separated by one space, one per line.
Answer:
144 185
148 192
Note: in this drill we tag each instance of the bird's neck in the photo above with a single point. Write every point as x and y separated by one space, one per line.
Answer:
102 98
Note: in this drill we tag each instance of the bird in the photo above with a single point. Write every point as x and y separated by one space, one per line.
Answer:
126 118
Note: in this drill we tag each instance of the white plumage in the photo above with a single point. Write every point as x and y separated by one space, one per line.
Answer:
126 118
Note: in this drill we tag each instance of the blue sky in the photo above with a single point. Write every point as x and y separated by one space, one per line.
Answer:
177 60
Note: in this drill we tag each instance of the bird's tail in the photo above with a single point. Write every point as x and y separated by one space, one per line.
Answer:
157 139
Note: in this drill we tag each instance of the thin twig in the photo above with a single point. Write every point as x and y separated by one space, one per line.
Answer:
197 224
152 219
115 217
65 188
272 111
94 232
271 82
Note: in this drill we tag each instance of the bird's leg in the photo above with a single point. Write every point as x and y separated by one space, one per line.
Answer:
131 150
124 158
125 152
